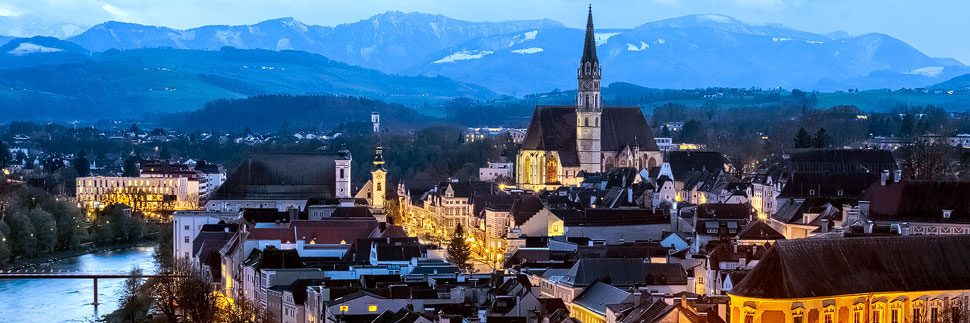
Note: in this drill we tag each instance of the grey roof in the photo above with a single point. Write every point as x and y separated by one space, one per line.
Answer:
828 184
598 295
624 272
803 268
281 176
919 201
553 128
682 162
759 230
872 161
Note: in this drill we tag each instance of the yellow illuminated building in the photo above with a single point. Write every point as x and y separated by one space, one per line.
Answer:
911 279
139 193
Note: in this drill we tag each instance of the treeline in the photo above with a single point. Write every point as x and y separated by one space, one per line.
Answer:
34 225
270 113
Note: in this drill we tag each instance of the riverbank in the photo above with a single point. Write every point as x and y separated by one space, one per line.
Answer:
48 259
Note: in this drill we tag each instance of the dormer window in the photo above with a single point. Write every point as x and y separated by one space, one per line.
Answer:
840 192
811 192
946 213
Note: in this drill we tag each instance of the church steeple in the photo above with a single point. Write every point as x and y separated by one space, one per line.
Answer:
588 75
589 48
589 107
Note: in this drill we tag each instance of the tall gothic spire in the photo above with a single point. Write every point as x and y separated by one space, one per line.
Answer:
589 49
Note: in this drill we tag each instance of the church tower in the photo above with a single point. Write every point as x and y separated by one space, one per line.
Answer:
343 173
378 179
589 108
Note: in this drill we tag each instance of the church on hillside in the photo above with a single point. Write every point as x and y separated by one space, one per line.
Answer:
563 143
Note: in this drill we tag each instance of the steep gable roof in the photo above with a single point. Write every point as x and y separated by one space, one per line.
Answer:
553 128
598 295
816 267
759 230
281 176
624 272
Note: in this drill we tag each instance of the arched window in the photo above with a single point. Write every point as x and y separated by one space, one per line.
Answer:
341 173
552 171
526 170
651 163
597 121
586 122
380 187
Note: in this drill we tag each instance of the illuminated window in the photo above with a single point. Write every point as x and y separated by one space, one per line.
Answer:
344 308
857 313
372 308
798 315
918 311
829 314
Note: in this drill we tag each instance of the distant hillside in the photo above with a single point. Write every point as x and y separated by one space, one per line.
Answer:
268 113
961 82
34 51
518 57
116 84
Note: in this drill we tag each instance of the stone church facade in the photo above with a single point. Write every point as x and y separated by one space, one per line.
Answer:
563 143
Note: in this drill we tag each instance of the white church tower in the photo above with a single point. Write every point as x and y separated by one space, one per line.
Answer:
343 173
375 119
378 179
589 108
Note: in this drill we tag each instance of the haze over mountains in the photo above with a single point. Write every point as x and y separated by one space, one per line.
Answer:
510 57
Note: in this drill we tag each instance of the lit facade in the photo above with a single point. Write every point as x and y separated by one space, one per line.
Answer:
139 193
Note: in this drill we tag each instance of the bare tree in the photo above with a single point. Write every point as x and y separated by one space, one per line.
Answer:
244 310
924 160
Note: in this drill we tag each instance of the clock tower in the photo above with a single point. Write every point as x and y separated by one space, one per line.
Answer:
378 179
589 109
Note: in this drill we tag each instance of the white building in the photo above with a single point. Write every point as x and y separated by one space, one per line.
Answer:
494 171
186 225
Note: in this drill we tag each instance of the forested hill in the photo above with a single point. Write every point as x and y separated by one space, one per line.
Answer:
131 83
270 113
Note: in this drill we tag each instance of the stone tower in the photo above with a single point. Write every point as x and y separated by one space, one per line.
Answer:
589 108
378 179
343 173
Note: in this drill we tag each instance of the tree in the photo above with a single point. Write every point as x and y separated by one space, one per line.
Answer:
4 243
692 132
822 139
133 303
187 294
964 171
43 223
81 164
244 310
458 250
923 160
68 220
5 157
907 128
665 132
803 139
22 236
131 167
133 128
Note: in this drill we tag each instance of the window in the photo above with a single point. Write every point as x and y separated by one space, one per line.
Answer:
341 173
798 316
344 308
918 311
934 315
749 318
186 239
877 315
186 227
895 312
372 308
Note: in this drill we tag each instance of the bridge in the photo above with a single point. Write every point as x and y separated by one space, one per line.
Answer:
76 274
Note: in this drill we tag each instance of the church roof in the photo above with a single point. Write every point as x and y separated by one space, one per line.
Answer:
271 176
553 128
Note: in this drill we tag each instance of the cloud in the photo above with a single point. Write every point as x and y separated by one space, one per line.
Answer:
7 12
115 12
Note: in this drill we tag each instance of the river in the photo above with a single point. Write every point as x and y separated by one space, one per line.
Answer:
70 300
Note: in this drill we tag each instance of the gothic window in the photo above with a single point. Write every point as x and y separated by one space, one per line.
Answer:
586 122
526 170
610 163
552 170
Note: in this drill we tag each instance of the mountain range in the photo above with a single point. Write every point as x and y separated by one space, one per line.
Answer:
532 56
421 56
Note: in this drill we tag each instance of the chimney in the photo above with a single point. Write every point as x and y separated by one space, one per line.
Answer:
629 195
869 226
883 178
897 176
